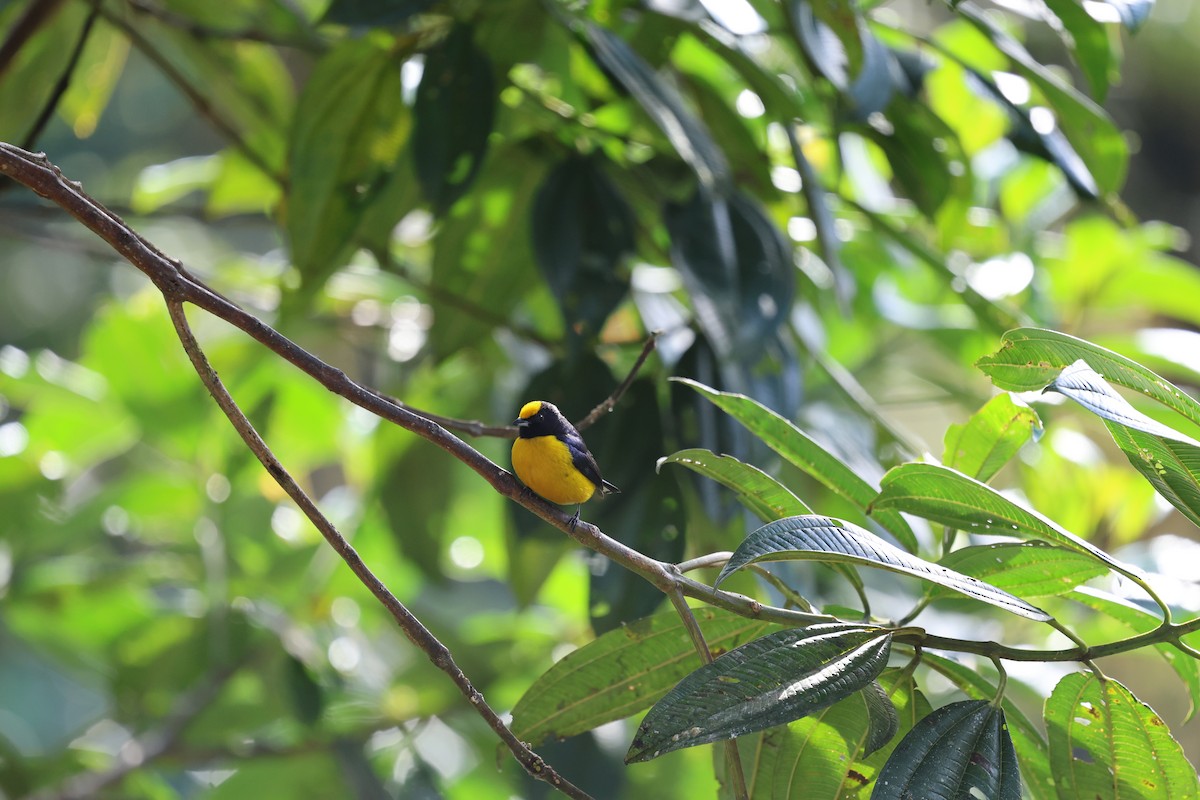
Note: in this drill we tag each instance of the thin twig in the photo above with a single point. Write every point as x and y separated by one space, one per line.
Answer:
737 777
412 627
610 402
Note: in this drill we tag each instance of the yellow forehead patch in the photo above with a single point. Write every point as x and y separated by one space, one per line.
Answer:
530 408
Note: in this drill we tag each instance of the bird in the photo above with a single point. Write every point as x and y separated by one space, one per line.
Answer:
551 459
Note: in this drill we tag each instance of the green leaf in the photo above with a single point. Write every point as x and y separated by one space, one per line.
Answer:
454 110
921 149
773 680
686 133
963 749
991 437
1137 619
1030 358
1027 569
622 672
349 130
1027 738
948 497
807 758
1085 386
1088 39
1167 458
737 267
799 449
1104 742
883 721
824 539
582 231
375 13
762 495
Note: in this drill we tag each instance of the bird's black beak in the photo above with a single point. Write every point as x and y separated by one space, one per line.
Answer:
520 423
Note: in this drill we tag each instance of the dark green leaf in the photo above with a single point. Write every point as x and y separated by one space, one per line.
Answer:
305 693
773 680
1028 739
454 111
737 266
963 749
798 448
350 127
925 155
1027 569
683 130
1104 742
824 539
883 721
582 230
991 437
1030 358
622 672
948 497
375 13
761 494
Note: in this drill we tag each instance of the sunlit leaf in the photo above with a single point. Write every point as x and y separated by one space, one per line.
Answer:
797 447
1027 569
991 437
1167 458
824 539
757 491
773 680
948 497
1030 358
1104 742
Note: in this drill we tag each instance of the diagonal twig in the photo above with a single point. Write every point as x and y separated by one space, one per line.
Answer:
412 627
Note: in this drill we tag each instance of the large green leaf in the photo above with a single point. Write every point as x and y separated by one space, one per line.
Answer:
773 680
1027 569
798 448
454 111
991 437
948 497
686 133
1104 742
582 230
1030 358
765 497
1089 41
374 12
622 672
1028 739
349 129
963 749
737 267
824 539
1170 460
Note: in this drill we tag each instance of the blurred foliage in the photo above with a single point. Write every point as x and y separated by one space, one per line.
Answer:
833 208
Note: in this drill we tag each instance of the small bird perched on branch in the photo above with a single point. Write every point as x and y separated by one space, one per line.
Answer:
551 459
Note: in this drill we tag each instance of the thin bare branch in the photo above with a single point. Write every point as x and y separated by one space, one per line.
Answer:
412 627
611 401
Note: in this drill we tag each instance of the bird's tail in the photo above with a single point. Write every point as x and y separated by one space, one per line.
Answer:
608 488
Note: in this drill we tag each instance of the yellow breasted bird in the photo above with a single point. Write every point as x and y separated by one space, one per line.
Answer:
550 458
